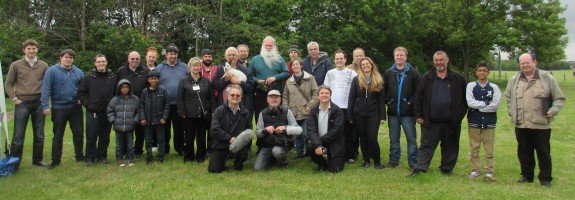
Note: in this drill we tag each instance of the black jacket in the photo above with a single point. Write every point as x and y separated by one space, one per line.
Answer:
334 139
138 78
154 105
97 89
422 106
224 127
194 103
410 81
364 103
318 71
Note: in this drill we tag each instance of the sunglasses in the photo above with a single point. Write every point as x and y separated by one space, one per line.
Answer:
235 95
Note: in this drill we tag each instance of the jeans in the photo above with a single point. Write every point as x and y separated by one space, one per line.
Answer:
97 136
268 154
139 135
125 145
395 124
158 132
300 140
21 114
73 116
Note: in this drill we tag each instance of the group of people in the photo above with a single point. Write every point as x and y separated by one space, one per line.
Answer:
324 112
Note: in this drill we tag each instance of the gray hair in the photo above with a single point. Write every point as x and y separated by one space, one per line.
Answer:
312 43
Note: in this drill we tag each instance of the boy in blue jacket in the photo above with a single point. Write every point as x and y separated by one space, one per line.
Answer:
123 114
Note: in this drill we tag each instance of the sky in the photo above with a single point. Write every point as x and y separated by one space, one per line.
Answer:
569 15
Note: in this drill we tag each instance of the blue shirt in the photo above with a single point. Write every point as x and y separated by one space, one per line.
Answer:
170 77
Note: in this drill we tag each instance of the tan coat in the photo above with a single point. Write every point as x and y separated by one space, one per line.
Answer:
526 101
294 99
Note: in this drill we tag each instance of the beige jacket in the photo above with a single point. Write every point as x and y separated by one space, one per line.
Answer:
294 99
528 102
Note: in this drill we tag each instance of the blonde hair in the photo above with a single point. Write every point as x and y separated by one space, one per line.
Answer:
376 84
194 61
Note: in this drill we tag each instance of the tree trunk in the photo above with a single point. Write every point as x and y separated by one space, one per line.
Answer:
83 25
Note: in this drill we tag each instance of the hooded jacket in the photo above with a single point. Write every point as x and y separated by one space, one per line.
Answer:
399 89
97 89
123 112
293 98
320 69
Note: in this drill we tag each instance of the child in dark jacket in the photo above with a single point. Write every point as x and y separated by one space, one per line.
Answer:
154 110
123 114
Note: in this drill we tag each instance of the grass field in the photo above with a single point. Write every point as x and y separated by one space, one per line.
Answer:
176 180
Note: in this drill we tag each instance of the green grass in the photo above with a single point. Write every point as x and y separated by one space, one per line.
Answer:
176 180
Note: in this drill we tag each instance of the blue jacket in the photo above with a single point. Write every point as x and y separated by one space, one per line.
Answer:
170 77
60 86
318 71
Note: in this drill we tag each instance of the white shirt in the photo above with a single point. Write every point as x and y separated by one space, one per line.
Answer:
339 81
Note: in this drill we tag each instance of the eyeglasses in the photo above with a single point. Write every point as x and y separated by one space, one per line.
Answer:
235 95
134 59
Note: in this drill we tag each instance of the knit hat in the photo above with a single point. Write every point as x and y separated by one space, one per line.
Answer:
294 47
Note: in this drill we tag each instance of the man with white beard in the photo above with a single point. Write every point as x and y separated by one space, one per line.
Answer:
269 70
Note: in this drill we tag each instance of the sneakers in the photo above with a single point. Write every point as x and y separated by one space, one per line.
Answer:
366 164
131 163
351 161
154 149
489 177
474 175
378 166
121 163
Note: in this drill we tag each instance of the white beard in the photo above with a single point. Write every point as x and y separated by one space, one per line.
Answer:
270 57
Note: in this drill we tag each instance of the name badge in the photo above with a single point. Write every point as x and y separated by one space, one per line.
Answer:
196 87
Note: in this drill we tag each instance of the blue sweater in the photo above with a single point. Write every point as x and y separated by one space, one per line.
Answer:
170 77
60 86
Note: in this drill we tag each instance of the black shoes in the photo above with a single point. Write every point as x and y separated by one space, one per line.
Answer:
378 166
546 184
524 179
391 165
53 165
366 165
40 163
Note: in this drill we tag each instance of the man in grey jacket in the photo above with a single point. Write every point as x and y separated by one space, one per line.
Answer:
533 98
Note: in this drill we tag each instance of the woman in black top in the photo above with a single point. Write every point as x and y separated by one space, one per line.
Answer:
195 97
366 110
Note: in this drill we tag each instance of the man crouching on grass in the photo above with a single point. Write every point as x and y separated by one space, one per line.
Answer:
275 129
231 132
325 131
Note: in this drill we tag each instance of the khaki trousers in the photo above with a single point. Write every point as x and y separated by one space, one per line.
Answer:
478 136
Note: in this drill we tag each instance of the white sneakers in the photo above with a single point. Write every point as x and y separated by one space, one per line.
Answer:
473 175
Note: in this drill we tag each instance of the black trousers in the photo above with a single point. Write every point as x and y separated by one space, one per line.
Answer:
332 164
218 159
366 128
351 139
177 122
445 133
529 140
195 130
140 137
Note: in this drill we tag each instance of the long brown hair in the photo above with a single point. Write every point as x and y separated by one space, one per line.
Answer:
376 78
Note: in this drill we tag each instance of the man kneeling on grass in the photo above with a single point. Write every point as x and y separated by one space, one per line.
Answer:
231 132
275 129
325 131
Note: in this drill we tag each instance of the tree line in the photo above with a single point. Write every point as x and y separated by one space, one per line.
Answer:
468 30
